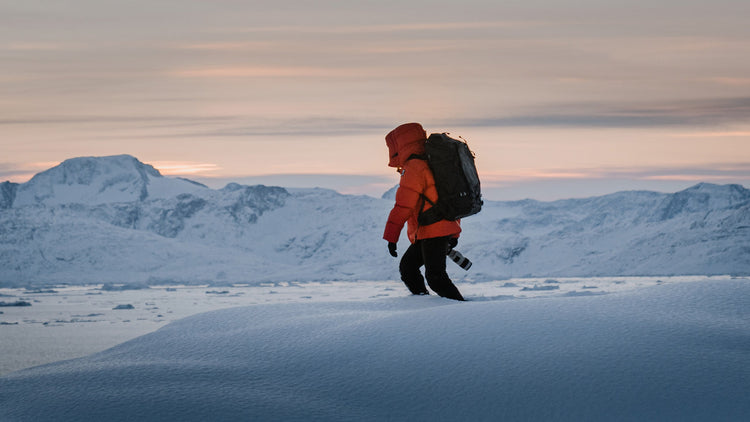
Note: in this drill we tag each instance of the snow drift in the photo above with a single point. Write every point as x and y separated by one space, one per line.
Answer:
115 219
670 352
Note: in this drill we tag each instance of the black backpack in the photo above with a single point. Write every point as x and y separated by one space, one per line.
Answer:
456 180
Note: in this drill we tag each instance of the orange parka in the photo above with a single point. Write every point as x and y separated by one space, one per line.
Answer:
416 180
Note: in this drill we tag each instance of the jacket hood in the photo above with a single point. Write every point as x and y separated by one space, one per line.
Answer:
404 141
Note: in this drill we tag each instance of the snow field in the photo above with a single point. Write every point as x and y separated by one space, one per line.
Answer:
667 351
66 322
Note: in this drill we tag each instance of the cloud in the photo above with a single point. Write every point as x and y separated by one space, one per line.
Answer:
300 127
317 64
610 115
723 172
271 72
95 118
385 28
732 134
230 46
34 46
718 172
739 82
22 172
217 126
185 168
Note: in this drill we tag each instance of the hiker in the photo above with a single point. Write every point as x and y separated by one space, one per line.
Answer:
429 243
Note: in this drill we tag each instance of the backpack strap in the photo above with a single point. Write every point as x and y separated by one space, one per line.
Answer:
418 157
424 197
432 215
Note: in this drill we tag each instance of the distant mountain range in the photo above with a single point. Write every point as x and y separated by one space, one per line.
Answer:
118 220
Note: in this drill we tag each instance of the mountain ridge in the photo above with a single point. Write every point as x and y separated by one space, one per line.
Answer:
94 180
115 219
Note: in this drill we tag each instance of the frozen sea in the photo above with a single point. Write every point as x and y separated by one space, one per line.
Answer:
623 348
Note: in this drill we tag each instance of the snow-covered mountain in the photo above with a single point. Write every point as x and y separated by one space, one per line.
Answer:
702 230
7 194
100 180
115 219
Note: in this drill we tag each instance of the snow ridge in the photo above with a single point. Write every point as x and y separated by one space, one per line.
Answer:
675 352
115 219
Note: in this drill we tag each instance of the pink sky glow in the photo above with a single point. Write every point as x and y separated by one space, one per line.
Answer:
557 99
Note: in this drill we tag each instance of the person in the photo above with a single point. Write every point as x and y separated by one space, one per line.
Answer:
429 243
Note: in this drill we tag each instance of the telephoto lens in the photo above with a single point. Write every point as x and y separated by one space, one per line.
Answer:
459 259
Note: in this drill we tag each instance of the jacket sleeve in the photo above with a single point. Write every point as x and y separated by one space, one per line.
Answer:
408 201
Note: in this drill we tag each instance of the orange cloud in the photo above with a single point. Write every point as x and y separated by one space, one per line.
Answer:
179 168
21 173
716 172
732 81
42 165
16 177
686 177
539 174
711 134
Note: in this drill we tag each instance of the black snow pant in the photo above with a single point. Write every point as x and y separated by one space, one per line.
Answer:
431 253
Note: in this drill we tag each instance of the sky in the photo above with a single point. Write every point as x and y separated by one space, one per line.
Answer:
557 98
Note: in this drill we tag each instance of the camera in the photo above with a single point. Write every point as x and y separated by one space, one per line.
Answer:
459 259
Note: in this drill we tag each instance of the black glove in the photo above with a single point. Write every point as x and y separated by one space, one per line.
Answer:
392 249
452 242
